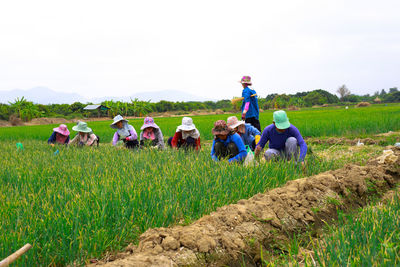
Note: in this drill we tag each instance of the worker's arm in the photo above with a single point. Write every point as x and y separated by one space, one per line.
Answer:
257 151
233 101
213 156
242 149
263 141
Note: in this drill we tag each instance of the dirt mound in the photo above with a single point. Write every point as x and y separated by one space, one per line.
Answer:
342 141
4 123
292 108
378 138
239 230
363 104
15 121
390 133
40 121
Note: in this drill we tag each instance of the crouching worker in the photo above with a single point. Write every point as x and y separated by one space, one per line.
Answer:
227 144
284 140
250 135
85 136
151 135
125 133
60 135
186 136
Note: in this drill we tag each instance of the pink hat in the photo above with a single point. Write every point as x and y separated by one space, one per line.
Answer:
246 80
62 129
149 122
220 127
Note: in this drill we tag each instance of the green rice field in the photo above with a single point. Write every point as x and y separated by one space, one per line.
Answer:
311 122
79 203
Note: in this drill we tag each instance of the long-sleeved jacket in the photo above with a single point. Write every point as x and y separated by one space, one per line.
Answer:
53 139
88 139
235 138
178 138
158 137
277 140
253 110
250 134
132 137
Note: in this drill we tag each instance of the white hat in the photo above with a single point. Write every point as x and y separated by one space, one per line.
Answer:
117 119
187 124
233 122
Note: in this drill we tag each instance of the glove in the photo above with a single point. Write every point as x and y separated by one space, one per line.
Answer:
257 139
243 116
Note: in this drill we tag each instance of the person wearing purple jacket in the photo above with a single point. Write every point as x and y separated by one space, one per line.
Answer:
125 133
284 139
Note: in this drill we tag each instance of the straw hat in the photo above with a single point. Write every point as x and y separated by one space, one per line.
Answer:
246 80
116 120
82 127
62 129
149 122
233 122
187 124
220 127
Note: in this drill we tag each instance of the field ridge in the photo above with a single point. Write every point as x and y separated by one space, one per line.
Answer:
238 230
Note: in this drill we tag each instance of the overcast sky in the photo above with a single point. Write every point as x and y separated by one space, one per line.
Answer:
117 48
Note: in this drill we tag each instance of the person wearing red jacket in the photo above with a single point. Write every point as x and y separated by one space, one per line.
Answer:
186 136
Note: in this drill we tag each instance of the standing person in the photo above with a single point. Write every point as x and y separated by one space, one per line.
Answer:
186 136
60 135
249 134
284 139
85 136
250 110
227 144
151 135
125 133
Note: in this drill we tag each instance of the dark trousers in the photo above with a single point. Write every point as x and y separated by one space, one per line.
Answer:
255 122
189 144
131 144
222 151
253 145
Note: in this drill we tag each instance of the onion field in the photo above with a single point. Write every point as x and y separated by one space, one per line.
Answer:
74 204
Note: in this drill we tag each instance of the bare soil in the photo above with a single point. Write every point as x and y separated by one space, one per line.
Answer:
237 232
346 141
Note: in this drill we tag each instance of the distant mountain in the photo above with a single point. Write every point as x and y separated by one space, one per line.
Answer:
43 95
169 95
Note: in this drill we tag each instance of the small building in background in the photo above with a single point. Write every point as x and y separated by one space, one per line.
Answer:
97 107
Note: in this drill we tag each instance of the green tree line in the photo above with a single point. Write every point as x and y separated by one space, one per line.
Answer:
26 110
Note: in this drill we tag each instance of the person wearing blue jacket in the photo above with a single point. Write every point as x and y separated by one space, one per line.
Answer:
227 144
250 109
249 134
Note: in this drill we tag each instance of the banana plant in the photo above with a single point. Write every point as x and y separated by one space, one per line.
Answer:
18 105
